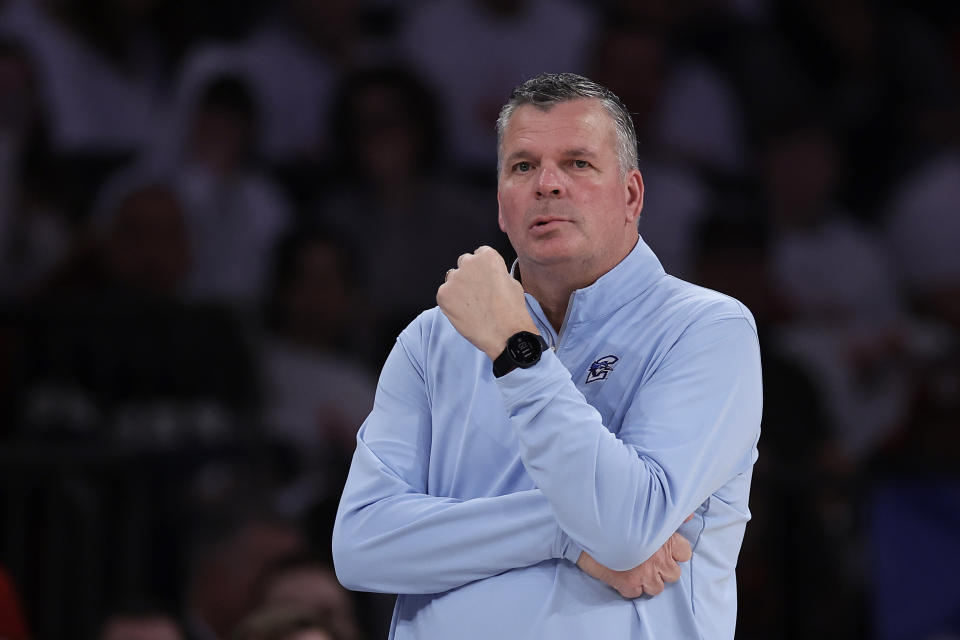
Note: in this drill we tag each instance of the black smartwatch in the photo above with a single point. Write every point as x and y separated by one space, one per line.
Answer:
523 351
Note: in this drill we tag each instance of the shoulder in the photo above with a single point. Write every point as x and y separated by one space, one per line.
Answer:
424 326
438 353
693 305
702 335
430 334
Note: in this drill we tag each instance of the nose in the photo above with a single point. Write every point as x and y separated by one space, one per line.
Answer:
550 183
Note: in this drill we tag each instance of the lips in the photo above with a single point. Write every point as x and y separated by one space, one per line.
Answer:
544 221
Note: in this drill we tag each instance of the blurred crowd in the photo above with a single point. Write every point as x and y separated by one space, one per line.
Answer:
216 216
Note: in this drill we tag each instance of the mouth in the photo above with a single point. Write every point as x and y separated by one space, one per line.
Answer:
546 222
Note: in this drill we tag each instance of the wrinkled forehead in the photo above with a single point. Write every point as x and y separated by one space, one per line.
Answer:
580 123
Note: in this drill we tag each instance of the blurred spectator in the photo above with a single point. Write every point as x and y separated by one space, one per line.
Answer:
294 62
234 211
686 109
136 244
407 220
225 567
883 74
109 351
34 233
305 582
16 15
101 70
286 624
473 52
846 316
922 226
146 248
699 119
813 236
140 621
316 392
13 626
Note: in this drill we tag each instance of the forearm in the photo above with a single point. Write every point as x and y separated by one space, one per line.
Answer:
387 538
618 506
689 429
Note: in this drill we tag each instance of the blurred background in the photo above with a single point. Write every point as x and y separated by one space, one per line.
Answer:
215 217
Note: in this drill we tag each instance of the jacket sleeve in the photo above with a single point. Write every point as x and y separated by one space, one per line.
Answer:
692 425
391 536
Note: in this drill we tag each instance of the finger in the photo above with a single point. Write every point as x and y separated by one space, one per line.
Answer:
653 586
463 256
689 518
679 548
670 572
630 592
447 274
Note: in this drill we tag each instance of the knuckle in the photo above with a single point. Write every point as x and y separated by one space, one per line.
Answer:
630 591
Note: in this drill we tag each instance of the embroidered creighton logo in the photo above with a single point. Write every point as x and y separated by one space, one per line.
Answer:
600 368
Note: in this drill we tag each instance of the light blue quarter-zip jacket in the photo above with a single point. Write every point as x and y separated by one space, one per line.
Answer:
473 496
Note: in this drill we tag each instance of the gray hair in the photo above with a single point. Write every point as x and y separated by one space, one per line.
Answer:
548 89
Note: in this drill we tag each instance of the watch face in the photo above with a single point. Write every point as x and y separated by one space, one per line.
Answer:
524 348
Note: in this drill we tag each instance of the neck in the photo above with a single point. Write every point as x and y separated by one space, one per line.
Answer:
553 286
553 298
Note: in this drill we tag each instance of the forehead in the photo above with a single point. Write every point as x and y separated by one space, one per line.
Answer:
582 123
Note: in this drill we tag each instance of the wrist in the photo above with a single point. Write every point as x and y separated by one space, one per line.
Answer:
497 346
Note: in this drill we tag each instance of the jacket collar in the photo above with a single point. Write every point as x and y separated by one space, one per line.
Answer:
630 278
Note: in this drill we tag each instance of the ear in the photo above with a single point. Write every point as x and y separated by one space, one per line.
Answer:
634 192
500 213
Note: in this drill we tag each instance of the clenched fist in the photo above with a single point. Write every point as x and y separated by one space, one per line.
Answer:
484 302
647 578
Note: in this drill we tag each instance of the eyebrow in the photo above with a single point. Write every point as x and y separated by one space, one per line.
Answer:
568 153
520 153
580 151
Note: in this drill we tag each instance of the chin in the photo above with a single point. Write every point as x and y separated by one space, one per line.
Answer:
549 256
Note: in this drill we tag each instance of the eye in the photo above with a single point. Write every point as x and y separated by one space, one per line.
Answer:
522 167
581 164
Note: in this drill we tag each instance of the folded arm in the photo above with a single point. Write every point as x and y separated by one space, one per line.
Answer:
391 536
691 427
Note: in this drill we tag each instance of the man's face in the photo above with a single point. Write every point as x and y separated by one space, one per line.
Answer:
563 198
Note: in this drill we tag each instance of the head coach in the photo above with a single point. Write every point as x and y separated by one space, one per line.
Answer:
540 439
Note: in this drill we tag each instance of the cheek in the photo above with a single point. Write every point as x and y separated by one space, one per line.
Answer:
509 214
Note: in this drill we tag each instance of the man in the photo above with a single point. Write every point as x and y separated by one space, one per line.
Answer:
545 429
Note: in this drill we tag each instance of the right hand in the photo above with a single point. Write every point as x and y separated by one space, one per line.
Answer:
647 578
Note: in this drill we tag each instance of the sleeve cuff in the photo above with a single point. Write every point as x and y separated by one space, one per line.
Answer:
566 548
521 385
